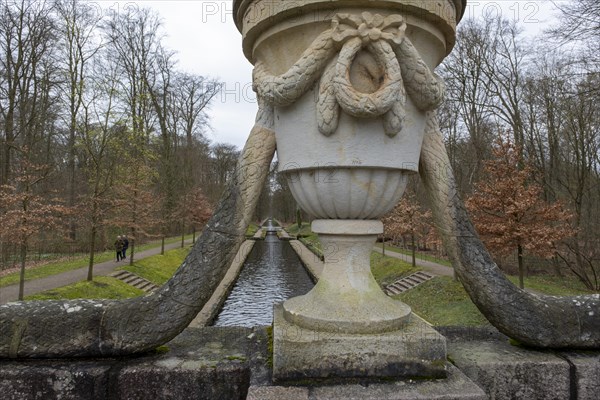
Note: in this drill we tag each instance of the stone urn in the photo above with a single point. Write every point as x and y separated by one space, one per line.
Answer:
352 88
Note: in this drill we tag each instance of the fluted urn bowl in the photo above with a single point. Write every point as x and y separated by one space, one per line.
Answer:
347 193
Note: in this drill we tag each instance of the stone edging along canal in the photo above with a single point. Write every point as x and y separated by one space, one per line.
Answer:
214 304
312 263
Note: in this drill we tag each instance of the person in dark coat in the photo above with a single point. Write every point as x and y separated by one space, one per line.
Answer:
125 246
119 248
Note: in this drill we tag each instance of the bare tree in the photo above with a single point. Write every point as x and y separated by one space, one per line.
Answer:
100 140
78 23
26 38
26 92
469 103
26 213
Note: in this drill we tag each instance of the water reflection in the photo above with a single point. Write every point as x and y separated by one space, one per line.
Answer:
272 273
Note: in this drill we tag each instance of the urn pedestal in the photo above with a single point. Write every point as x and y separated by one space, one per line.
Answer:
349 89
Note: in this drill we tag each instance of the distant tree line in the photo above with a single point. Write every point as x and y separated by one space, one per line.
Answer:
100 132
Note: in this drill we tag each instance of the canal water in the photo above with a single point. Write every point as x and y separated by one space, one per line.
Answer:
272 273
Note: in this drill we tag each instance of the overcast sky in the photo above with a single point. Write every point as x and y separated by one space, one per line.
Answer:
208 43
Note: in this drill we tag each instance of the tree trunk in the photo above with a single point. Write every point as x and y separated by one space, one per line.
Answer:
71 182
162 245
182 234
194 234
132 246
414 251
521 267
22 275
90 276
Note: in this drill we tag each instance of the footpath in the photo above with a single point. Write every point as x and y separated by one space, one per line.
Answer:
11 293
429 266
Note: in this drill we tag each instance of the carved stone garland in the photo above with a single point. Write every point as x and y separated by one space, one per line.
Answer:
404 73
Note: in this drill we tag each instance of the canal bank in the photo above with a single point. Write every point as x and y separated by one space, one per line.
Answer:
271 274
263 273
214 304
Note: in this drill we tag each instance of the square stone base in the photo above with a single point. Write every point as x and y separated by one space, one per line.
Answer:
455 387
416 351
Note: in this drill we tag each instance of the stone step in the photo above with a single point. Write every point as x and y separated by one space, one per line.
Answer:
402 285
408 282
424 275
391 291
134 280
129 279
148 286
119 274
413 280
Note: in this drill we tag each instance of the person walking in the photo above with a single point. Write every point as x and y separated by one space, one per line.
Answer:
125 246
119 248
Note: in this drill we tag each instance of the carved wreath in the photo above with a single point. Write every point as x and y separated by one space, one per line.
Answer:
384 37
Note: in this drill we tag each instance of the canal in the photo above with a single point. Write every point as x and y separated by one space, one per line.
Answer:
271 274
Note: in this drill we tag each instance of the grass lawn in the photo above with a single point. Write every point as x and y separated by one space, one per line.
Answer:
252 229
102 287
443 301
159 268
388 270
306 236
554 285
58 267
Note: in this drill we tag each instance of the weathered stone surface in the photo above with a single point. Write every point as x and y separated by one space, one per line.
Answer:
470 333
227 363
186 380
206 363
415 351
54 380
254 17
456 387
532 319
504 371
277 393
585 373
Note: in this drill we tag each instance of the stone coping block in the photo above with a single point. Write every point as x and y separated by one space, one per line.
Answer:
455 387
54 380
207 363
585 374
471 333
299 354
505 371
